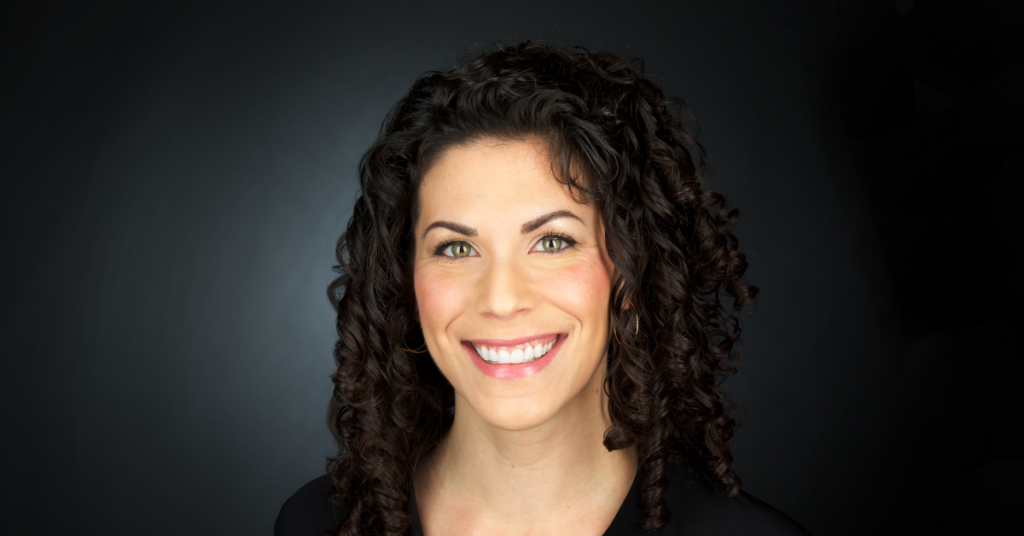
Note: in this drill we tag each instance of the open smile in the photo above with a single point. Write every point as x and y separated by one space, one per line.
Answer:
514 358
503 354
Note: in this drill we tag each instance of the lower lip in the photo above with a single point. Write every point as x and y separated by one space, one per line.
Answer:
515 370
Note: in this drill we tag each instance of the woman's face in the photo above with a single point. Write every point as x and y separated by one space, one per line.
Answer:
512 283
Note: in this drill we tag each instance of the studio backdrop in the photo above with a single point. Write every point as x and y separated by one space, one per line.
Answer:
175 176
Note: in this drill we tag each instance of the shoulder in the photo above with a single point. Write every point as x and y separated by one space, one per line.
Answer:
309 511
698 507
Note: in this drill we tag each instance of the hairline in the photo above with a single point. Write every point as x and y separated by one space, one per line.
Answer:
552 141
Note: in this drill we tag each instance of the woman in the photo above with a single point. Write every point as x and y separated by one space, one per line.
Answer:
537 301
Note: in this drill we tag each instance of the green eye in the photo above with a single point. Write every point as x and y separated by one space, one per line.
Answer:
551 243
554 244
460 250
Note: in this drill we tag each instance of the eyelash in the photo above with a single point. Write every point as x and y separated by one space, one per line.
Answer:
568 239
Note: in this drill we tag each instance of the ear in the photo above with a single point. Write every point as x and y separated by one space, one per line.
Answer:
615 276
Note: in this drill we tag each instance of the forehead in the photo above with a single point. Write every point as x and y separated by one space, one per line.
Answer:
495 175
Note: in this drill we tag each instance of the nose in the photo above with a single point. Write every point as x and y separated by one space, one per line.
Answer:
505 291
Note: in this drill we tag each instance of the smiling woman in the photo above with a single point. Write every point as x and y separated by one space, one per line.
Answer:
526 275
536 303
517 321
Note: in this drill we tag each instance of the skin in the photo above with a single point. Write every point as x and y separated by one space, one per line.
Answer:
523 456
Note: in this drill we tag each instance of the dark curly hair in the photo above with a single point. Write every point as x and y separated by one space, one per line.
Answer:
617 141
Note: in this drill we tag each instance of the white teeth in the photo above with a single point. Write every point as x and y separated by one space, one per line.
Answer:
530 353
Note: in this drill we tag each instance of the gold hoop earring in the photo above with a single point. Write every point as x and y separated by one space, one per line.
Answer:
419 350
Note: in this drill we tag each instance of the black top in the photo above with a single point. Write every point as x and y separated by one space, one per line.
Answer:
697 510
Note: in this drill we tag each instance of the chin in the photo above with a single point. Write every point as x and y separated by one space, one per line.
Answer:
515 414
518 402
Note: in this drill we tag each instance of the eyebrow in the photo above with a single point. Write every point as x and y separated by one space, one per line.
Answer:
527 227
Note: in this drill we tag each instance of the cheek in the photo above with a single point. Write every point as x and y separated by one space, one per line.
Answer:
439 299
582 288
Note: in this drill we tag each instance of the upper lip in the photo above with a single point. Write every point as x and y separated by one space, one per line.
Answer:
511 342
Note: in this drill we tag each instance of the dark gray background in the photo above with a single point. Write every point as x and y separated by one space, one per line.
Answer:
175 176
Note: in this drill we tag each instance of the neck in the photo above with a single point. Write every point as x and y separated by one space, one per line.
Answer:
530 477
